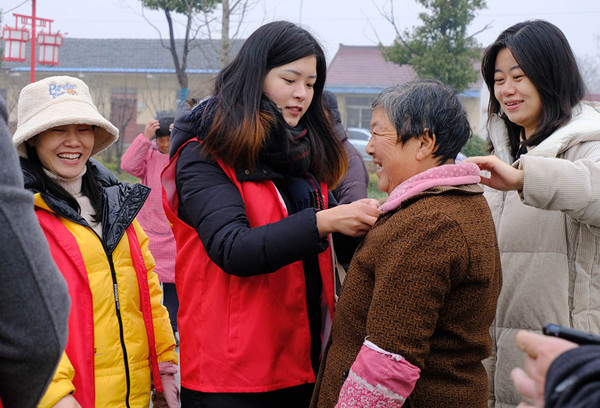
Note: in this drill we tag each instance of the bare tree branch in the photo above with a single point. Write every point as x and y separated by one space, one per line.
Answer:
390 18
155 28
172 47
486 27
247 5
229 11
201 19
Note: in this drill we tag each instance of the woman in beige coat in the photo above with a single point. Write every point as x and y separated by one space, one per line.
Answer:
545 192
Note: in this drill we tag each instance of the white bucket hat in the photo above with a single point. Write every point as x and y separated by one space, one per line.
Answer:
58 101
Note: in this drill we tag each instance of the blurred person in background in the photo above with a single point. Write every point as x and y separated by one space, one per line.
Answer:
355 182
145 158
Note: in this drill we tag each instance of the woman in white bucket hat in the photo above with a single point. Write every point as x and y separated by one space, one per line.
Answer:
120 339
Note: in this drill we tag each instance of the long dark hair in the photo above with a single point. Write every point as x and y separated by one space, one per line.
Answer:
244 116
545 56
39 181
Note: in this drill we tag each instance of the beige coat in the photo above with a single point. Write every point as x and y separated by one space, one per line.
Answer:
549 237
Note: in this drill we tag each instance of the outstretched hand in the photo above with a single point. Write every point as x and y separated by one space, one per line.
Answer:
541 352
353 219
502 176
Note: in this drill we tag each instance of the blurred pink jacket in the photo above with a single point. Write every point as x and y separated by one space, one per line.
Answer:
144 160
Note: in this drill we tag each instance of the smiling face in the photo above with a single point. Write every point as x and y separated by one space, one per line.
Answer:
516 94
290 87
64 150
396 162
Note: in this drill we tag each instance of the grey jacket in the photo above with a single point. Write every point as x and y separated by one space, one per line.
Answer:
549 237
34 301
355 183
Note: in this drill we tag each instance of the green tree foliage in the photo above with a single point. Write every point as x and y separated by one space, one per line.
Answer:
476 146
189 9
440 48
181 6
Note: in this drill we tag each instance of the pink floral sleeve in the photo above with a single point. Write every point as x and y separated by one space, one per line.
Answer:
378 378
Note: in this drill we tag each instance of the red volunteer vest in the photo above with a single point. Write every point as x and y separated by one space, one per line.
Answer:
241 334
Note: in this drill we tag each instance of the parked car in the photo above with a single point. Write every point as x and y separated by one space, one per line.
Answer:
359 138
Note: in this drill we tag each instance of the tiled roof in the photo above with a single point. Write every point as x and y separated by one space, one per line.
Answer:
129 55
594 97
363 69
364 66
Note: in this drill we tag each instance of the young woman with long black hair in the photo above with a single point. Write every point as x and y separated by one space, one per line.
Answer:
247 191
545 179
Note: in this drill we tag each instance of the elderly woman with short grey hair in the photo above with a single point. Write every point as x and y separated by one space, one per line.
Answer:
411 325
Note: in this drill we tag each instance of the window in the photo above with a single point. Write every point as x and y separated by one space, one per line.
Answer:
358 111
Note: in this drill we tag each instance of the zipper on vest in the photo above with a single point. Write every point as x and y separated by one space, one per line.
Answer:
118 307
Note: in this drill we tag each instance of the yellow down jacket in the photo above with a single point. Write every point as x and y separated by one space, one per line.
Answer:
111 346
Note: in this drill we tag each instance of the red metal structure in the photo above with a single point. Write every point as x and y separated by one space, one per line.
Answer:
48 48
15 40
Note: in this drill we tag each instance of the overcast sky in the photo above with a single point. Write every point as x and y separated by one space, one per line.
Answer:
350 22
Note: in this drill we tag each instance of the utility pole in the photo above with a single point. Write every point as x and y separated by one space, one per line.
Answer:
33 23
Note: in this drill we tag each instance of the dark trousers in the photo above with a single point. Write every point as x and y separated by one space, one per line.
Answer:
171 302
293 397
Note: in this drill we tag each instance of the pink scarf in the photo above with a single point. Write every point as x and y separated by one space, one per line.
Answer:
446 175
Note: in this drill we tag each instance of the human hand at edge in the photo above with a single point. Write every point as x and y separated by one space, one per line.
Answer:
541 352
68 401
169 398
353 219
502 176
151 128
161 401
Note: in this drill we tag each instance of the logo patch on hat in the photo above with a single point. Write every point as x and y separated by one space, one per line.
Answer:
57 90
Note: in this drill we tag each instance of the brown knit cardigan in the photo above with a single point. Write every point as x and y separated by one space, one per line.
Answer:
423 284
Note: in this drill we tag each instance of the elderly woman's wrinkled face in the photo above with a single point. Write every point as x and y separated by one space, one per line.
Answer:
64 150
395 161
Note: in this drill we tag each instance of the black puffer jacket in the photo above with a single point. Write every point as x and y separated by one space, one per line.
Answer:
355 183
573 379
219 215
121 202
